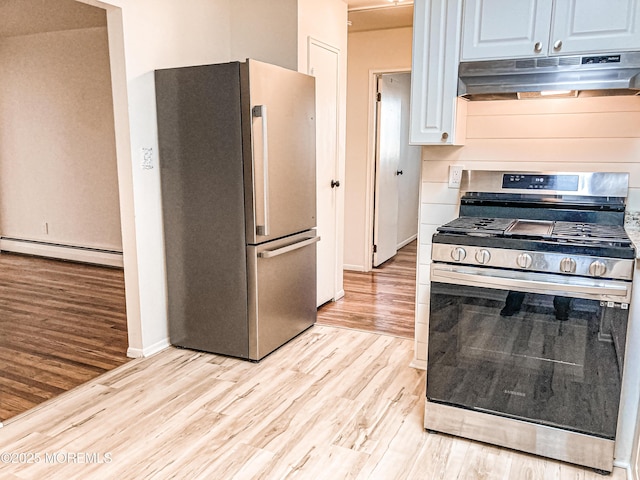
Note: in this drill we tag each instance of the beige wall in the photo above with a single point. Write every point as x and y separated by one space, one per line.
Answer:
57 150
592 134
381 51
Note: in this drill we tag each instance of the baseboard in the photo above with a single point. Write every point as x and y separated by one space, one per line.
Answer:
148 351
419 364
339 295
626 467
354 268
407 241
62 252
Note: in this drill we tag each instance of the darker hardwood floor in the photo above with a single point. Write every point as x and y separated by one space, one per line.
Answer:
61 324
381 301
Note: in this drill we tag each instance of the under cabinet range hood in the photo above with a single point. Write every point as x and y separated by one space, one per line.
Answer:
574 75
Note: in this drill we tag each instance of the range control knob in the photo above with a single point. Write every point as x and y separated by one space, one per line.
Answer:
597 269
483 256
458 254
524 260
568 265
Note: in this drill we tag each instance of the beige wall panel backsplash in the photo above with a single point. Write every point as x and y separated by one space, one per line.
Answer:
555 105
57 143
510 150
573 125
583 134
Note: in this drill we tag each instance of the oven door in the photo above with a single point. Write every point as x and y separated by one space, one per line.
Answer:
536 347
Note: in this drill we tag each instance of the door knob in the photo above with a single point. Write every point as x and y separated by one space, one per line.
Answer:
399 172
335 183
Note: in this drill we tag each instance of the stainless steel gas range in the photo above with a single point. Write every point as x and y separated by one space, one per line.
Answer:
529 305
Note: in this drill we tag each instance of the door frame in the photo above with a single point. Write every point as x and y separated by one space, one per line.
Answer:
370 185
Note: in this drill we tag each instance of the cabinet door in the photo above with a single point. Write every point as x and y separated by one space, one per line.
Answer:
436 46
595 26
494 29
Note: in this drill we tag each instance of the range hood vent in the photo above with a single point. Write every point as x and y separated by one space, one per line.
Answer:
585 75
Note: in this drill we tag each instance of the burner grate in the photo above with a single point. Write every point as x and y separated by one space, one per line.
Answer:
589 233
477 225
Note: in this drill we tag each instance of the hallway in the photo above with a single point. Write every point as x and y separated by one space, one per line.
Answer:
380 301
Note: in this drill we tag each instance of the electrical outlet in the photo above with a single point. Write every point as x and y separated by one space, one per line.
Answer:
455 175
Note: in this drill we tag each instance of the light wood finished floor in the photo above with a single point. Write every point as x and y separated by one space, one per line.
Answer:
61 324
380 301
333 403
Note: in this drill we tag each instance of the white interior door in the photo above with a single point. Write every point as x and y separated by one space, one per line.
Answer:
397 169
388 134
323 65
410 169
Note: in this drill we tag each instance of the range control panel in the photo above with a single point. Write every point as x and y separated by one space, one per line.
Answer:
567 183
543 262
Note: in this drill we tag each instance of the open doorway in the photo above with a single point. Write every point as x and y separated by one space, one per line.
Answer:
382 298
397 169
61 322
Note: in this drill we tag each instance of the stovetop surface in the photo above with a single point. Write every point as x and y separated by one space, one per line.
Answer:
565 237
559 231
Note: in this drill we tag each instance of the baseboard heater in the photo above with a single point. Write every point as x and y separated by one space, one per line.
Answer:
96 256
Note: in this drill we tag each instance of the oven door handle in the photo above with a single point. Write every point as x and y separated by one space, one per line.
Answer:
532 282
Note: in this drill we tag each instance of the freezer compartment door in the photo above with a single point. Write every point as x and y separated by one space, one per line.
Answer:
279 151
282 291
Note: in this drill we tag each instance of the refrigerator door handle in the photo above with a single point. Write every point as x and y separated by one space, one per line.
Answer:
288 248
262 224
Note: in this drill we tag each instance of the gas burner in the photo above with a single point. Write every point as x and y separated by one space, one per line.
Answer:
590 233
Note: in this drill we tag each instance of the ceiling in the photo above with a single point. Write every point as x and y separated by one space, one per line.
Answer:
379 14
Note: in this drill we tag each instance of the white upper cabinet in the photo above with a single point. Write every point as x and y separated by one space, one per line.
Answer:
595 26
505 28
494 29
436 47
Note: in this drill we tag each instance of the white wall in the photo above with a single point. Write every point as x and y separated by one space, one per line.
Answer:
591 134
57 151
326 21
265 31
381 51
145 35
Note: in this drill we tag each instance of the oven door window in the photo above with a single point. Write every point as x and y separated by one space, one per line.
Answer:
546 359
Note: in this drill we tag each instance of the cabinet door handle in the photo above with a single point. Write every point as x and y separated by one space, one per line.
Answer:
445 135
335 183
558 45
537 47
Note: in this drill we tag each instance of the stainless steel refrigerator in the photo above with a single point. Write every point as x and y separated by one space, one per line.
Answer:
238 178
